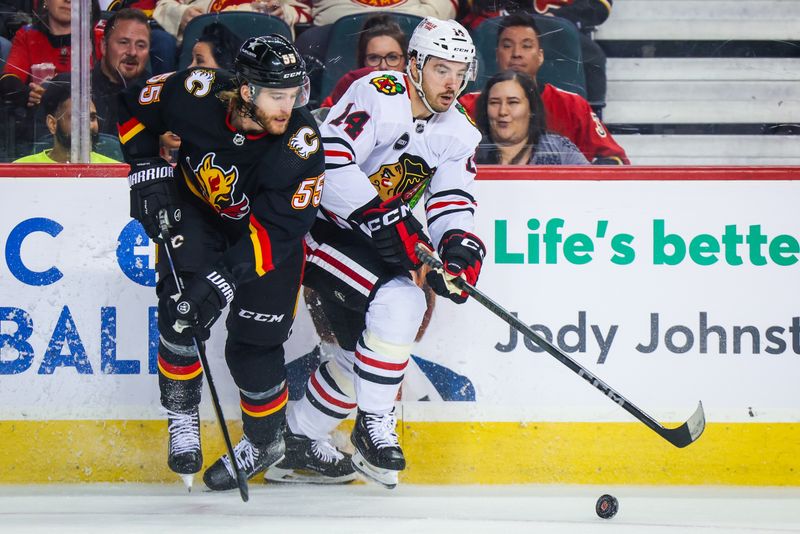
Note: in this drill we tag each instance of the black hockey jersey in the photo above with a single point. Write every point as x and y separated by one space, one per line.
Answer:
262 190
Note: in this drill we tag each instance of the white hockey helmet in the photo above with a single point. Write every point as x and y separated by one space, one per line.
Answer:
445 39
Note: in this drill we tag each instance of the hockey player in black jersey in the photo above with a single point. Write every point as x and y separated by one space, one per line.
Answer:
245 191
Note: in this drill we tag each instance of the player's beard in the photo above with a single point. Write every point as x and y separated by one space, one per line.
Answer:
64 137
272 123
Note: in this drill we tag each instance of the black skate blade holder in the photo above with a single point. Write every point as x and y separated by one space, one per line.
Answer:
684 435
241 479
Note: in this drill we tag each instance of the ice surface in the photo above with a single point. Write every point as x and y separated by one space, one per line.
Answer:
151 509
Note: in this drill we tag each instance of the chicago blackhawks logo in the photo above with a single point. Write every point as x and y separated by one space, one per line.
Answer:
304 142
388 85
463 111
217 187
407 173
198 83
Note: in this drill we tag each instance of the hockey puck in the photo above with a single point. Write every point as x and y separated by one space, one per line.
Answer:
606 506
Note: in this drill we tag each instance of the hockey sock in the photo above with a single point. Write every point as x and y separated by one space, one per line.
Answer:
180 376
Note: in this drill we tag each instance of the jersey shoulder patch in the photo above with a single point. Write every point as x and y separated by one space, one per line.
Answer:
198 82
463 111
387 84
304 142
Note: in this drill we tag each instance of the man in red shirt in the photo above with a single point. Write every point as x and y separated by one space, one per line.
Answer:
568 114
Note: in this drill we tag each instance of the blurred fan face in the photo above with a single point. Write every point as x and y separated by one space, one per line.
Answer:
60 11
128 49
518 50
63 124
384 53
509 111
203 56
442 80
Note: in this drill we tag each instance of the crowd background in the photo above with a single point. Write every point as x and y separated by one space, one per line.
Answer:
142 38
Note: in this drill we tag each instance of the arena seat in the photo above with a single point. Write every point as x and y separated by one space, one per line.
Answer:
563 65
342 46
702 81
244 24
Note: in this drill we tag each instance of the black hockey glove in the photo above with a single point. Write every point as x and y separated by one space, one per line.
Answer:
462 255
395 232
152 190
201 302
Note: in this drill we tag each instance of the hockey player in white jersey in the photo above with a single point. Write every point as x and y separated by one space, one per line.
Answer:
392 139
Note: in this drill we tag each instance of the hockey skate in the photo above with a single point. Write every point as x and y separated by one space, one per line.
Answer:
249 458
311 461
378 454
184 457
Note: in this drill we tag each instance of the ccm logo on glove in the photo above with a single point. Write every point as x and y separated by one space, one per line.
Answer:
389 218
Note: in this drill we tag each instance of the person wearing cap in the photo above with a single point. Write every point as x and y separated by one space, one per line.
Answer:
245 191
392 140
57 106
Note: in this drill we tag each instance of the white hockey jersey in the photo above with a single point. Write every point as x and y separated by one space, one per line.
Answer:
373 143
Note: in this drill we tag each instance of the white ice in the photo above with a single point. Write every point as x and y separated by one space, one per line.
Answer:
151 509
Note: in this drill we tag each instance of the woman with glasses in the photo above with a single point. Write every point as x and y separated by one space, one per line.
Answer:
382 45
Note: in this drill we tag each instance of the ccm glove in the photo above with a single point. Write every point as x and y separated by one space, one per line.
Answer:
462 254
153 190
202 302
395 232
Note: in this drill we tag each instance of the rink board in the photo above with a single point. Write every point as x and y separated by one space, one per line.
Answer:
597 259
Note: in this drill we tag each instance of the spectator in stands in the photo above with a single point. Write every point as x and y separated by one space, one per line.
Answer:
511 117
567 114
46 41
163 45
216 48
57 105
313 43
382 45
585 14
174 15
126 52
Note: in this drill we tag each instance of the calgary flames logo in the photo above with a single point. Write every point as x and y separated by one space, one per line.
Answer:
388 85
217 187
405 175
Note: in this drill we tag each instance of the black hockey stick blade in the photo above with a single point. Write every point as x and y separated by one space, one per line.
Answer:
688 432
241 479
682 436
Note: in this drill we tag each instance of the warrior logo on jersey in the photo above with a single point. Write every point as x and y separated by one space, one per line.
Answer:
217 187
304 142
395 178
198 83
388 85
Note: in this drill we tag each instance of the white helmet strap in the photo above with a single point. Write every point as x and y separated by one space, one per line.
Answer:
418 84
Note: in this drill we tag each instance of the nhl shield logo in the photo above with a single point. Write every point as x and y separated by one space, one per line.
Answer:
238 139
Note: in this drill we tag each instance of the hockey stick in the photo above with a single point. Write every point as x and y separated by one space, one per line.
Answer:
244 490
684 435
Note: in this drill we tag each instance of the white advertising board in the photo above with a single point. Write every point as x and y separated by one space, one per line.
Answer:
670 291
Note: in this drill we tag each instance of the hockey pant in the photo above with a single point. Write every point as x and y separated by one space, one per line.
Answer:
259 322
375 312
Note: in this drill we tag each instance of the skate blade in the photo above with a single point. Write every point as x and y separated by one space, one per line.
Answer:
188 480
385 477
304 476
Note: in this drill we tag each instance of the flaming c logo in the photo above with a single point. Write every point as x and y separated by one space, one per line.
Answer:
217 186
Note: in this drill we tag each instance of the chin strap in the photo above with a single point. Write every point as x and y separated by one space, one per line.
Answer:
418 86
